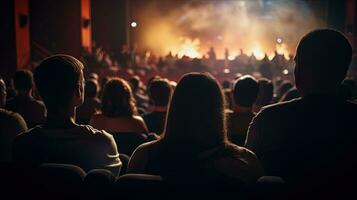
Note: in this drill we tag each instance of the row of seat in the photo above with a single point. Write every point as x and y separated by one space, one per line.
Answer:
63 181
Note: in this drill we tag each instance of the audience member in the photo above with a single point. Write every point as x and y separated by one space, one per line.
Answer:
195 143
159 92
291 94
60 82
118 113
311 141
11 124
265 94
284 87
32 110
141 100
244 95
91 104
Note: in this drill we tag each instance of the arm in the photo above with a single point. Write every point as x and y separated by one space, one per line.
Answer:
112 161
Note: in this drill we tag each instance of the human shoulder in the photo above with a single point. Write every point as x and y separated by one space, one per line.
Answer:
140 157
138 118
236 151
277 107
12 118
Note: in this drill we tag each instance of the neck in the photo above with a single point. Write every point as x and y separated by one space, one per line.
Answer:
160 108
62 118
240 109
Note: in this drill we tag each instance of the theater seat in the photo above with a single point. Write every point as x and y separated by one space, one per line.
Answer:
98 184
127 142
139 186
64 180
125 161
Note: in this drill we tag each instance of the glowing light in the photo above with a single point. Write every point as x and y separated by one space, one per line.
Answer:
226 71
189 48
258 53
285 72
279 40
282 50
231 57
133 24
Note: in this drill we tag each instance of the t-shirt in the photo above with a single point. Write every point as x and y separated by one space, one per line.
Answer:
11 124
82 145
307 139
155 121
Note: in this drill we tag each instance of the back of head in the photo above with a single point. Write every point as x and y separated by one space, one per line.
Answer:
265 92
56 78
134 83
91 88
160 92
245 91
23 80
117 99
196 115
322 60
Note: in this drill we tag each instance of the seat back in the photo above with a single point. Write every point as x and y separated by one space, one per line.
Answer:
127 142
125 161
62 179
128 185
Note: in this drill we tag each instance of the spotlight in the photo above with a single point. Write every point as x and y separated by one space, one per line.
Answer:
279 40
133 24
226 71
285 72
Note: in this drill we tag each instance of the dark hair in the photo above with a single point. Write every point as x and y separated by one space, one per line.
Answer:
284 87
160 92
91 88
265 92
117 99
196 116
134 83
56 78
326 54
291 94
245 91
23 80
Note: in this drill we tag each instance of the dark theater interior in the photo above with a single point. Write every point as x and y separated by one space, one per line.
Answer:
178 99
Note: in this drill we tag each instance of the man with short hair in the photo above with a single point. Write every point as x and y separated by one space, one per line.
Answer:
159 92
311 141
32 110
245 93
60 82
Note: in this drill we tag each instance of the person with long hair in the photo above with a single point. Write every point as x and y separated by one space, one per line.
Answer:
195 140
118 113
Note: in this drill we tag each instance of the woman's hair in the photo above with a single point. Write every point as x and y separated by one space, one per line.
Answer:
196 116
117 99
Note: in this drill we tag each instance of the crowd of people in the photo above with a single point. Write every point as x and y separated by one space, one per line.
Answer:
237 130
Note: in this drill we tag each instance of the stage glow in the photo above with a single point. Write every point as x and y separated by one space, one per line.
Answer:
258 53
188 48
249 25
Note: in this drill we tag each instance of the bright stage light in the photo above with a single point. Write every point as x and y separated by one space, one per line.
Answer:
133 24
285 72
279 40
